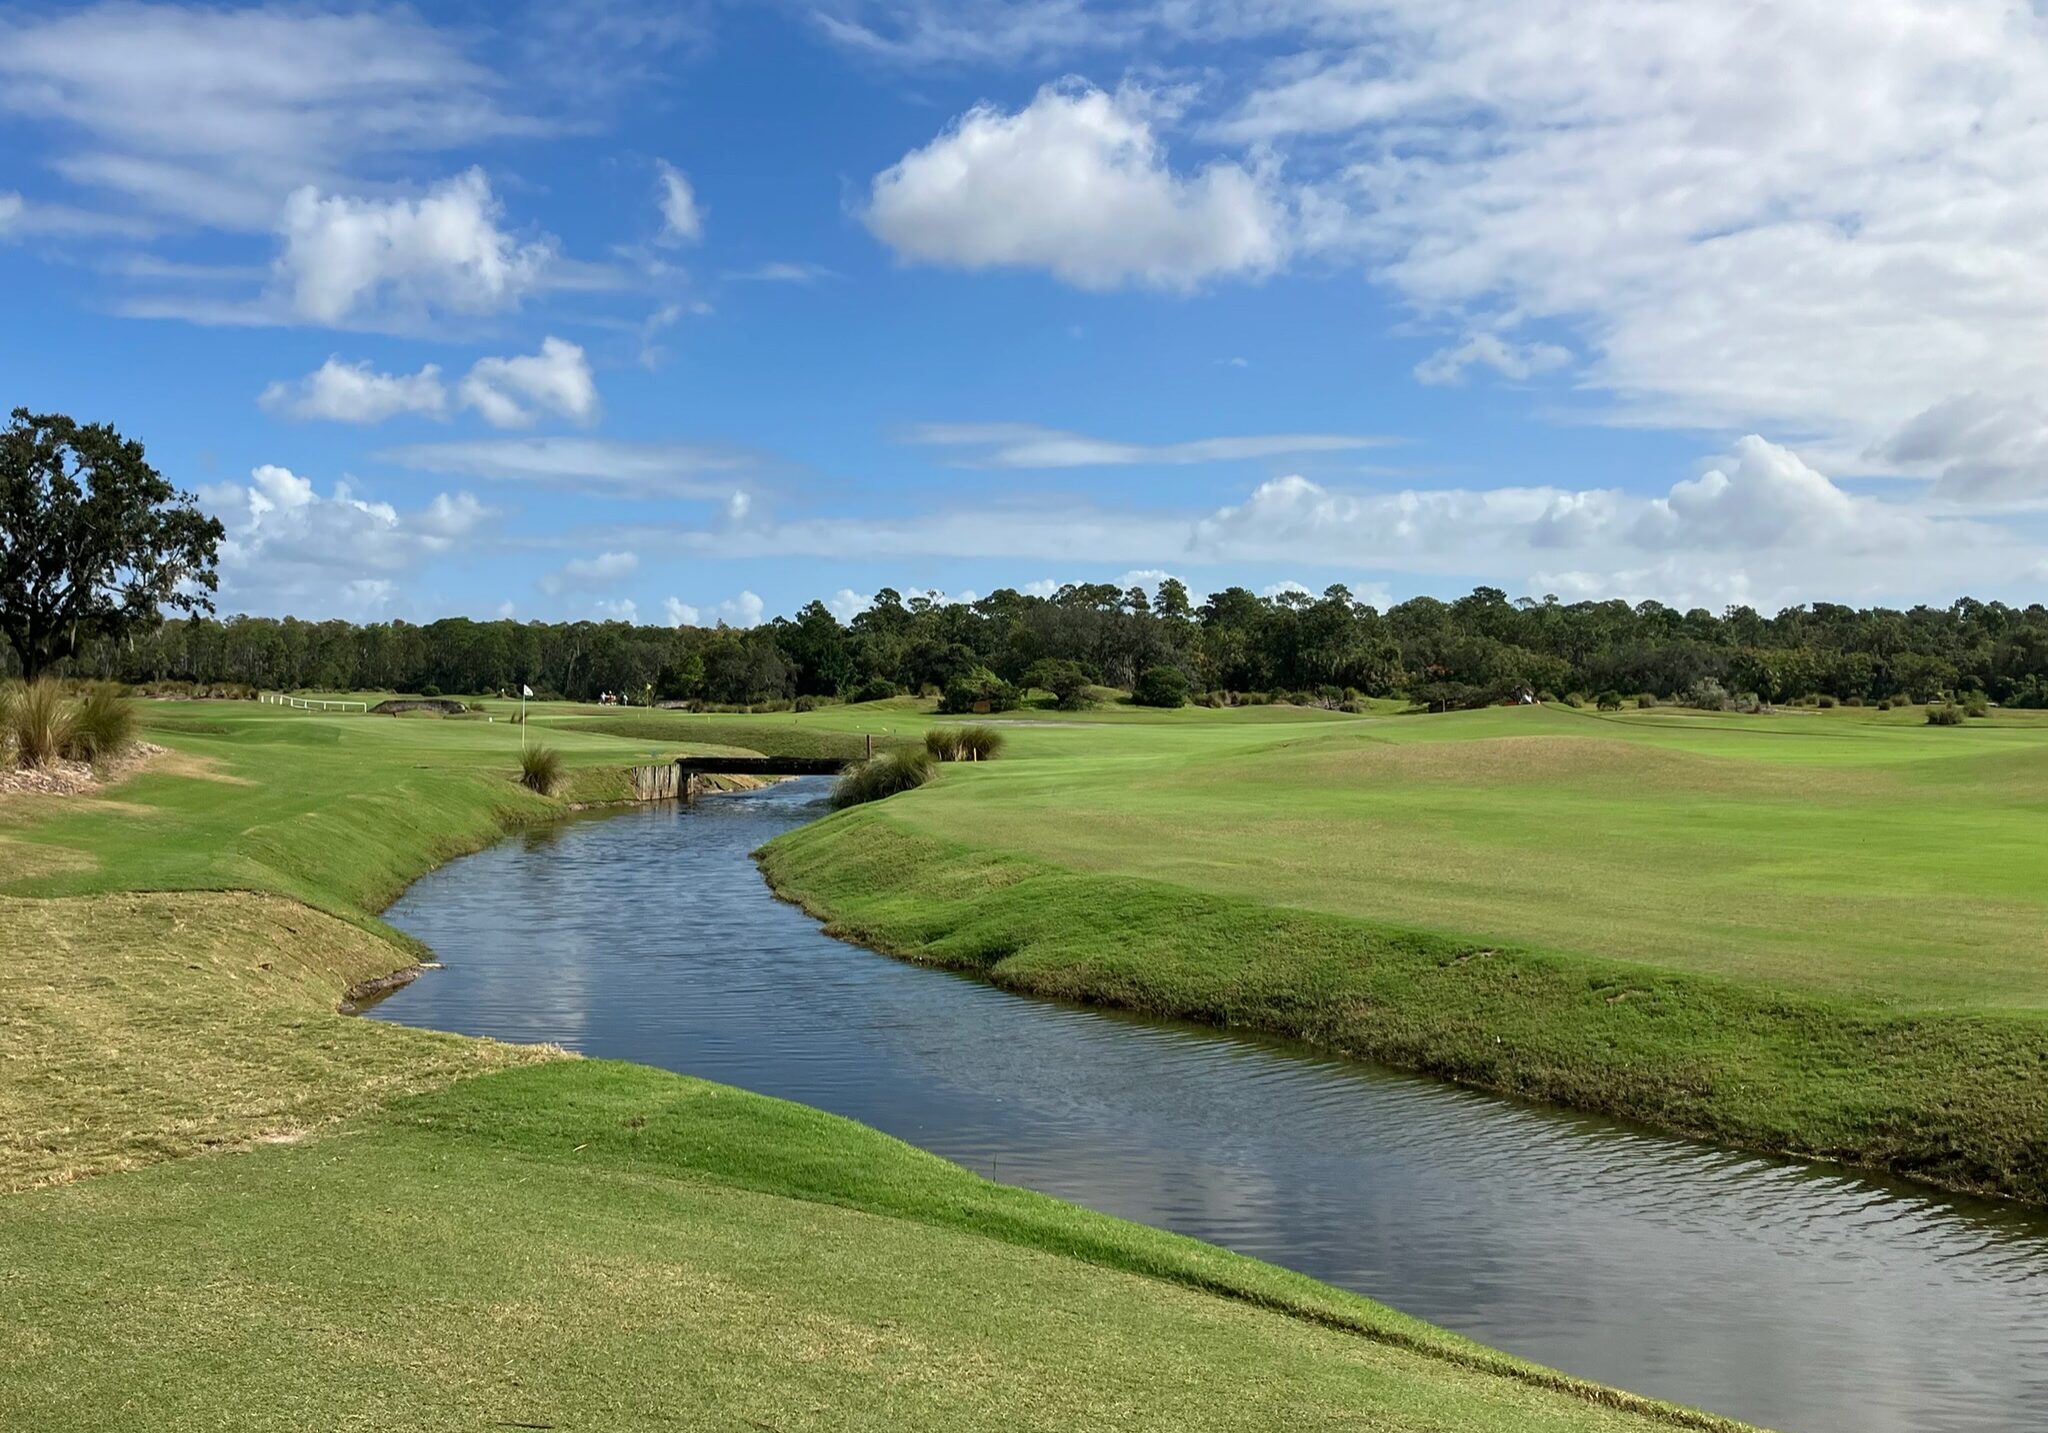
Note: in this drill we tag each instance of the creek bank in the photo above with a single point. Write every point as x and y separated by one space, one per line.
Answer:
1955 1101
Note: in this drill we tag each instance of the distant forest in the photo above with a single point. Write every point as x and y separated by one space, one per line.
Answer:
1475 650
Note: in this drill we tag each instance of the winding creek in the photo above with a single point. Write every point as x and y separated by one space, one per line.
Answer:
1798 1297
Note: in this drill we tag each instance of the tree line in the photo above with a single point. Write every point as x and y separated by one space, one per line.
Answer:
98 555
1476 649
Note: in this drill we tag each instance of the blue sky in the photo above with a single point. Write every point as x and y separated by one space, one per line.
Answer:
694 313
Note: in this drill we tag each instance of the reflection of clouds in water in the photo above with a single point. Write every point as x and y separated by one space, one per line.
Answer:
1785 1294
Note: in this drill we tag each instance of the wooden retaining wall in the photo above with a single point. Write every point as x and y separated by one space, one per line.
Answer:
665 782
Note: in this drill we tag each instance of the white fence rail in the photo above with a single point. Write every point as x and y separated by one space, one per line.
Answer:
310 704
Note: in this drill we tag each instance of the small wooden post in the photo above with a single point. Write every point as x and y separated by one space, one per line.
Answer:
871 746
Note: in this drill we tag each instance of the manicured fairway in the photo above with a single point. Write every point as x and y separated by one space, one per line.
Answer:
1831 851
1818 933
259 1214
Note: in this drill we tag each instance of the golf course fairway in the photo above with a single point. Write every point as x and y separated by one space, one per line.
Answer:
258 1213
1814 932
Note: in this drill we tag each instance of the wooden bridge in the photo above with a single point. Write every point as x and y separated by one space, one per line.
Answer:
689 766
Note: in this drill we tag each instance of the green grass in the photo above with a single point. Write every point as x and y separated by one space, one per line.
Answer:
598 1246
377 1241
1815 933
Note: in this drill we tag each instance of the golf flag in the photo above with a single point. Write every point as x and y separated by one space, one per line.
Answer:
524 690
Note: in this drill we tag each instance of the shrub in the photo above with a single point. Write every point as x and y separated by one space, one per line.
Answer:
1069 682
1547 697
102 724
804 704
1574 700
904 769
38 722
1884 705
1707 694
977 690
875 689
1945 714
1645 702
1161 687
430 690
540 769
1824 701
1852 701
1609 701
1976 704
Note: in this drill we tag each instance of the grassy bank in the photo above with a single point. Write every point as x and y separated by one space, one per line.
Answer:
399 1229
1813 934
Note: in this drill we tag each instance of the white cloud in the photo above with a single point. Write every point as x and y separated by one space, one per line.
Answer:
21 219
745 610
1979 448
1759 521
508 392
349 259
621 609
288 545
596 467
587 574
1805 217
980 31
513 392
1078 184
1518 361
1283 589
682 221
356 393
1025 445
1763 496
846 604
214 115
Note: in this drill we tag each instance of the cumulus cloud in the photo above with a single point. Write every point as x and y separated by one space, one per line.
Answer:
588 574
513 392
508 392
745 610
288 544
341 392
846 604
1076 183
1759 522
350 259
1026 445
682 221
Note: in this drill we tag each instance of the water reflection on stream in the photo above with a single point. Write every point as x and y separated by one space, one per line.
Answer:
1796 1297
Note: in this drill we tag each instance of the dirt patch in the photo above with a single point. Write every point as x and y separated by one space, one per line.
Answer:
199 768
75 778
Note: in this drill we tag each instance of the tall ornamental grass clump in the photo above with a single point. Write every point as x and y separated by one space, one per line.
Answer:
35 722
540 769
905 769
1945 714
102 724
963 743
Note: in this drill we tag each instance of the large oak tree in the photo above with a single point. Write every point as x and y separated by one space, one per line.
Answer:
93 541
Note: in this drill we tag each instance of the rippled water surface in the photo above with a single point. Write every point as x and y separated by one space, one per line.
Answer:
1792 1296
